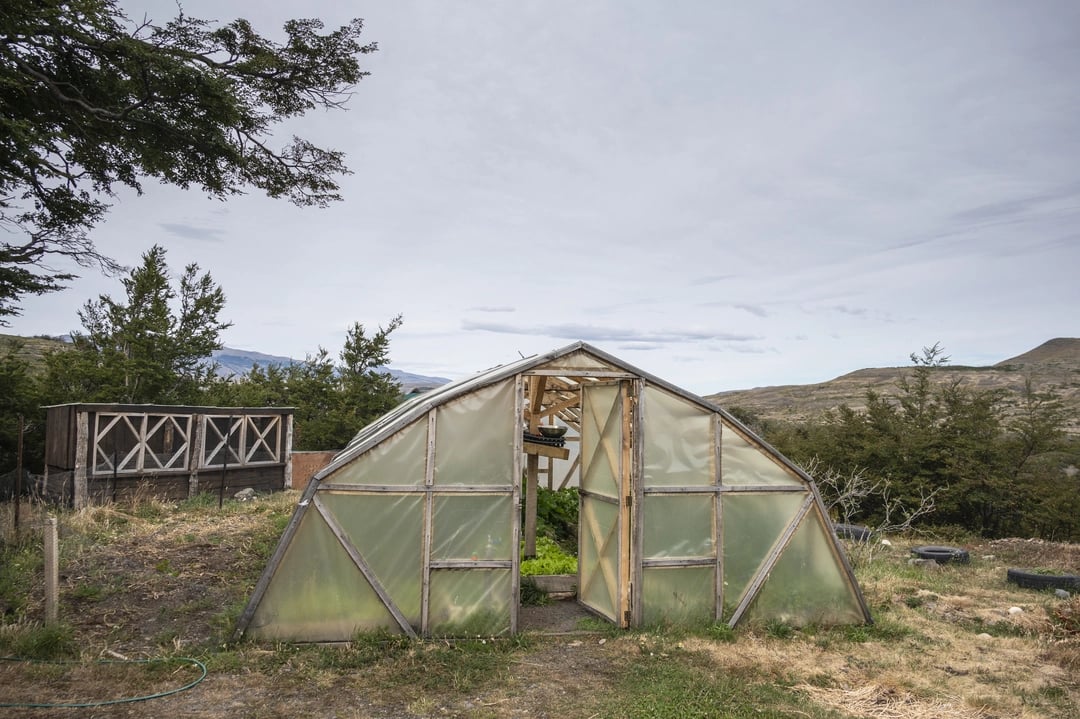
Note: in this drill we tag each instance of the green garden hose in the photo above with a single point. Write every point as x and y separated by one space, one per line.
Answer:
126 700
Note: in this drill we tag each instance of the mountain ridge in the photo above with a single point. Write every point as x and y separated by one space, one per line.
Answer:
231 361
1052 366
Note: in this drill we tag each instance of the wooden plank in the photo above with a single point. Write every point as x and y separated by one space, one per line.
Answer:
718 508
195 450
531 480
637 526
553 409
544 450
288 451
407 488
429 511
602 373
536 396
471 564
515 494
696 489
82 451
795 488
555 583
627 491
362 565
680 562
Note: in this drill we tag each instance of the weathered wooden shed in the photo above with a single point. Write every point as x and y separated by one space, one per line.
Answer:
101 452
685 515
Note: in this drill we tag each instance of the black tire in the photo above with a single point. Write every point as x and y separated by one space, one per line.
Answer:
1032 580
852 531
942 555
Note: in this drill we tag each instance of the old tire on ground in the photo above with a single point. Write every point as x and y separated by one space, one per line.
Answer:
1034 580
852 531
942 555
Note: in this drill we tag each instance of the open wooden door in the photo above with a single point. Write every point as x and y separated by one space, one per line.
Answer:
604 534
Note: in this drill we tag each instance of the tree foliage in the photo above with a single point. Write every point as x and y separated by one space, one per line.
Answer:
332 401
19 401
153 346
92 100
936 437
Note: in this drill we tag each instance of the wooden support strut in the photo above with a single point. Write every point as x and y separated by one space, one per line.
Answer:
536 396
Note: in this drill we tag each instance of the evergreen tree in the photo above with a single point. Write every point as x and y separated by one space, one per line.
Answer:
152 347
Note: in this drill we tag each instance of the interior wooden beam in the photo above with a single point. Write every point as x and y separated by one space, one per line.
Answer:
532 464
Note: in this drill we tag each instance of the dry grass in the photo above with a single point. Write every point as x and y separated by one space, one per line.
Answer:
161 579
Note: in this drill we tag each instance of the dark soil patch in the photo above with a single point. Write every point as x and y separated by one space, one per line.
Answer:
556 617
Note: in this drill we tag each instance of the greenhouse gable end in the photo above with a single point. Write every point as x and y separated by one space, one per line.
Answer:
685 515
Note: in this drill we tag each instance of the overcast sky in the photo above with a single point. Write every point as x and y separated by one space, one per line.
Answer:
727 195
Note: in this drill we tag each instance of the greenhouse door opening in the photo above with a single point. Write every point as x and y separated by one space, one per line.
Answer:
604 560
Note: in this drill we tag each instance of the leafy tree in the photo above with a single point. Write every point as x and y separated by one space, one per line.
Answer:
92 100
152 347
938 438
19 399
332 402
367 390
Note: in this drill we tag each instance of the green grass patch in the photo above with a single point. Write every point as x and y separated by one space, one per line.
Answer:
21 564
36 641
550 559
683 685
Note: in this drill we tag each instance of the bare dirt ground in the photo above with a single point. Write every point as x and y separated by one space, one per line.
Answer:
165 585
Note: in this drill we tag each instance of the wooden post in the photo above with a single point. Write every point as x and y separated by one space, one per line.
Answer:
195 452
287 449
18 477
83 450
536 398
52 572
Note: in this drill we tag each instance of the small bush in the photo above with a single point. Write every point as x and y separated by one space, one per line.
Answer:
532 595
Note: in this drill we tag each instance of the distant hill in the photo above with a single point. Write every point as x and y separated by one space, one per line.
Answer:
1052 365
230 361
238 362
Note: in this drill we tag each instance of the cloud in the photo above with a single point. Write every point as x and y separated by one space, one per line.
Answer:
191 232
589 333
711 279
756 310
483 308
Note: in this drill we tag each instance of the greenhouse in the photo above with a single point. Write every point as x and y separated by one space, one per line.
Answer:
685 515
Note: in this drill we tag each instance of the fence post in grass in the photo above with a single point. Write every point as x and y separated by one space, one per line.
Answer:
52 572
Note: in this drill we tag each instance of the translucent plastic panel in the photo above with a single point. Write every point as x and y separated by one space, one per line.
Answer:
680 525
678 441
808 584
752 525
601 439
472 527
598 558
744 463
474 437
578 360
398 459
317 594
679 595
469 602
387 530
